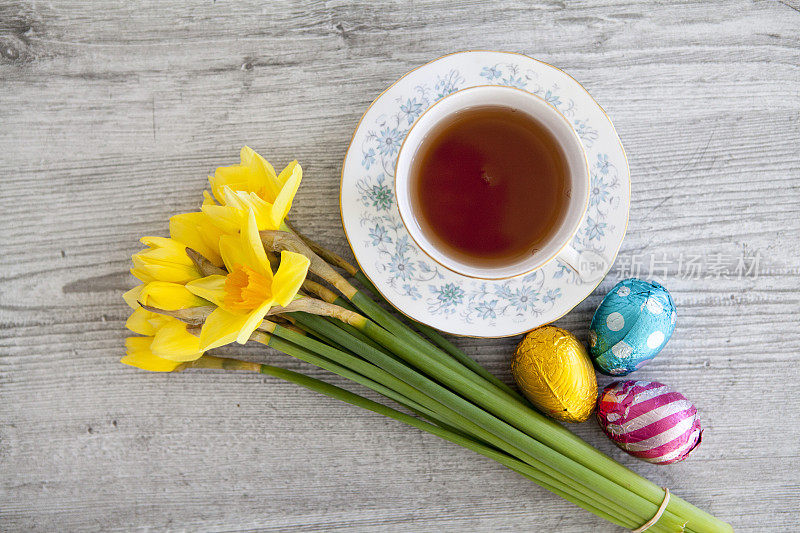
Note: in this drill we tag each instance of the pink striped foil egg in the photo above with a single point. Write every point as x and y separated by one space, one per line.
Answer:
649 421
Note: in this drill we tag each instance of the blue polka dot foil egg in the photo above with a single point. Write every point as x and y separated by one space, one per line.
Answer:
633 323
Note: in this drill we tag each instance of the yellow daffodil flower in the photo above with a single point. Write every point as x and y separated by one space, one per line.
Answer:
144 322
167 342
163 295
255 174
254 185
160 294
198 232
139 355
165 337
164 260
169 338
249 290
230 217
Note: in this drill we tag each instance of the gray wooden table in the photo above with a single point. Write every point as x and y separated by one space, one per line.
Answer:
111 116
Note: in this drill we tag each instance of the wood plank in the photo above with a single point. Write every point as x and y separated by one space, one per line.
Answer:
111 119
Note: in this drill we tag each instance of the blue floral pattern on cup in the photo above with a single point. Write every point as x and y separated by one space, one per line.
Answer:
383 140
460 304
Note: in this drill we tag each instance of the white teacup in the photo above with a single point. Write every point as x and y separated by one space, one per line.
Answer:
588 265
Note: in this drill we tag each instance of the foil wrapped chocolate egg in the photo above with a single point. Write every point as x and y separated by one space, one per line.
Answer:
649 421
554 372
632 324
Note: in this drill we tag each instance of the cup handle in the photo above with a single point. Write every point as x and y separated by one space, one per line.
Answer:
588 265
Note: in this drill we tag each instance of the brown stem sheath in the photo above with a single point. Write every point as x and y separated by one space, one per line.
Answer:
318 307
281 240
320 291
206 267
194 316
329 256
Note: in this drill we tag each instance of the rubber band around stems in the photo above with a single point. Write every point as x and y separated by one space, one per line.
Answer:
650 523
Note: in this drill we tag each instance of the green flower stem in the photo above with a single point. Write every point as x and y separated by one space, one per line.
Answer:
549 483
452 435
562 466
548 435
331 297
354 363
355 333
442 414
359 401
312 358
519 414
275 241
322 337
337 261
567 443
412 338
438 339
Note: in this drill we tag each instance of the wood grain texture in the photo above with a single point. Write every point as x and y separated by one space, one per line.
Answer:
111 117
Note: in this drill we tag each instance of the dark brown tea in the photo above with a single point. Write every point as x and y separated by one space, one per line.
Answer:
489 186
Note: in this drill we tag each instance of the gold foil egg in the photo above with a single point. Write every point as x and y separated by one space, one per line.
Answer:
553 370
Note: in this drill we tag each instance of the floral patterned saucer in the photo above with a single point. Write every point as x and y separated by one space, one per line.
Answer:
406 276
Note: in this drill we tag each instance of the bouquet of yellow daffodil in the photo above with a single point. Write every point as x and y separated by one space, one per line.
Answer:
235 271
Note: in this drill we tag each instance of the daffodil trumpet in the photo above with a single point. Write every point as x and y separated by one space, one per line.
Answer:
236 271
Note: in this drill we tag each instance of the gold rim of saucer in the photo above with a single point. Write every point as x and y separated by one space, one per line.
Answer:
350 145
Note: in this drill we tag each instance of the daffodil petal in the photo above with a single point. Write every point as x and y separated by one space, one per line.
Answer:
263 175
173 342
207 198
243 200
164 251
254 174
131 297
162 242
157 321
169 296
230 247
289 172
251 242
290 182
211 288
221 328
172 273
253 320
147 269
226 219
139 322
289 277
236 177
198 232
140 356
164 256
142 275
233 199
